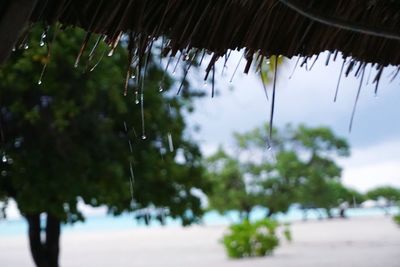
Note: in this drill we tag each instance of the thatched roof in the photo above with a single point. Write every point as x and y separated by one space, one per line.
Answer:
368 31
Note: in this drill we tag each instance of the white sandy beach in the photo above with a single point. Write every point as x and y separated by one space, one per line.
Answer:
363 242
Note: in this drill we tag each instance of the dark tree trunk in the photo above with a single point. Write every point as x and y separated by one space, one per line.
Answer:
328 213
44 252
269 214
53 230
35 242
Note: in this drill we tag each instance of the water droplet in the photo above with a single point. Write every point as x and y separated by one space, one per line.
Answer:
3 173
13 49
205 84
170 143
125 93
39 82
187 57
144 137
4 158
41 44
160 87
133 76
26 46
110 53
137 101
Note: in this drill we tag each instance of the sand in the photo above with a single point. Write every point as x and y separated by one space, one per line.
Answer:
363 242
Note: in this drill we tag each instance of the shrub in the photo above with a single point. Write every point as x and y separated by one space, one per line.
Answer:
248 239
287 233
397 219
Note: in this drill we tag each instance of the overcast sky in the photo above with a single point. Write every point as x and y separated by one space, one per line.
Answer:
308 98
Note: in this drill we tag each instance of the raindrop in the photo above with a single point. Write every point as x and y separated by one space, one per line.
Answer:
340 77
130 146
26 46
273 98
142 115
13 49
133 76
4 158
233 75
357 98
91 54
137 97
42 38
132 179
170 143
40 81
160 87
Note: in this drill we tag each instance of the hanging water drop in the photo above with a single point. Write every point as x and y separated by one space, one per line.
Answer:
39 82
170 143
42 38
137 97
4 158
13 49
160 88
144 137
26 46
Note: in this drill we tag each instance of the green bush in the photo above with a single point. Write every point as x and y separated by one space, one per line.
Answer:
251 239
287 233
397 219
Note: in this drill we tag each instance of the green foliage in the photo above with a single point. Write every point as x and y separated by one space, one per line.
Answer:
396 219
248 239
391 194
229 190
287 233
300 168
65 139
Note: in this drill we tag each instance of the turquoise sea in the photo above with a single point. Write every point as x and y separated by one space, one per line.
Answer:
127 221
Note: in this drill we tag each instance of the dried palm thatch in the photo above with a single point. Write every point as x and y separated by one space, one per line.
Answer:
368 31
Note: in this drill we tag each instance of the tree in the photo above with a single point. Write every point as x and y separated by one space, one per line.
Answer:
66 139
390 195
298 169
229 190
318 146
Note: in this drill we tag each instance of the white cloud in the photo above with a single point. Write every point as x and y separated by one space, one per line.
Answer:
373 166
